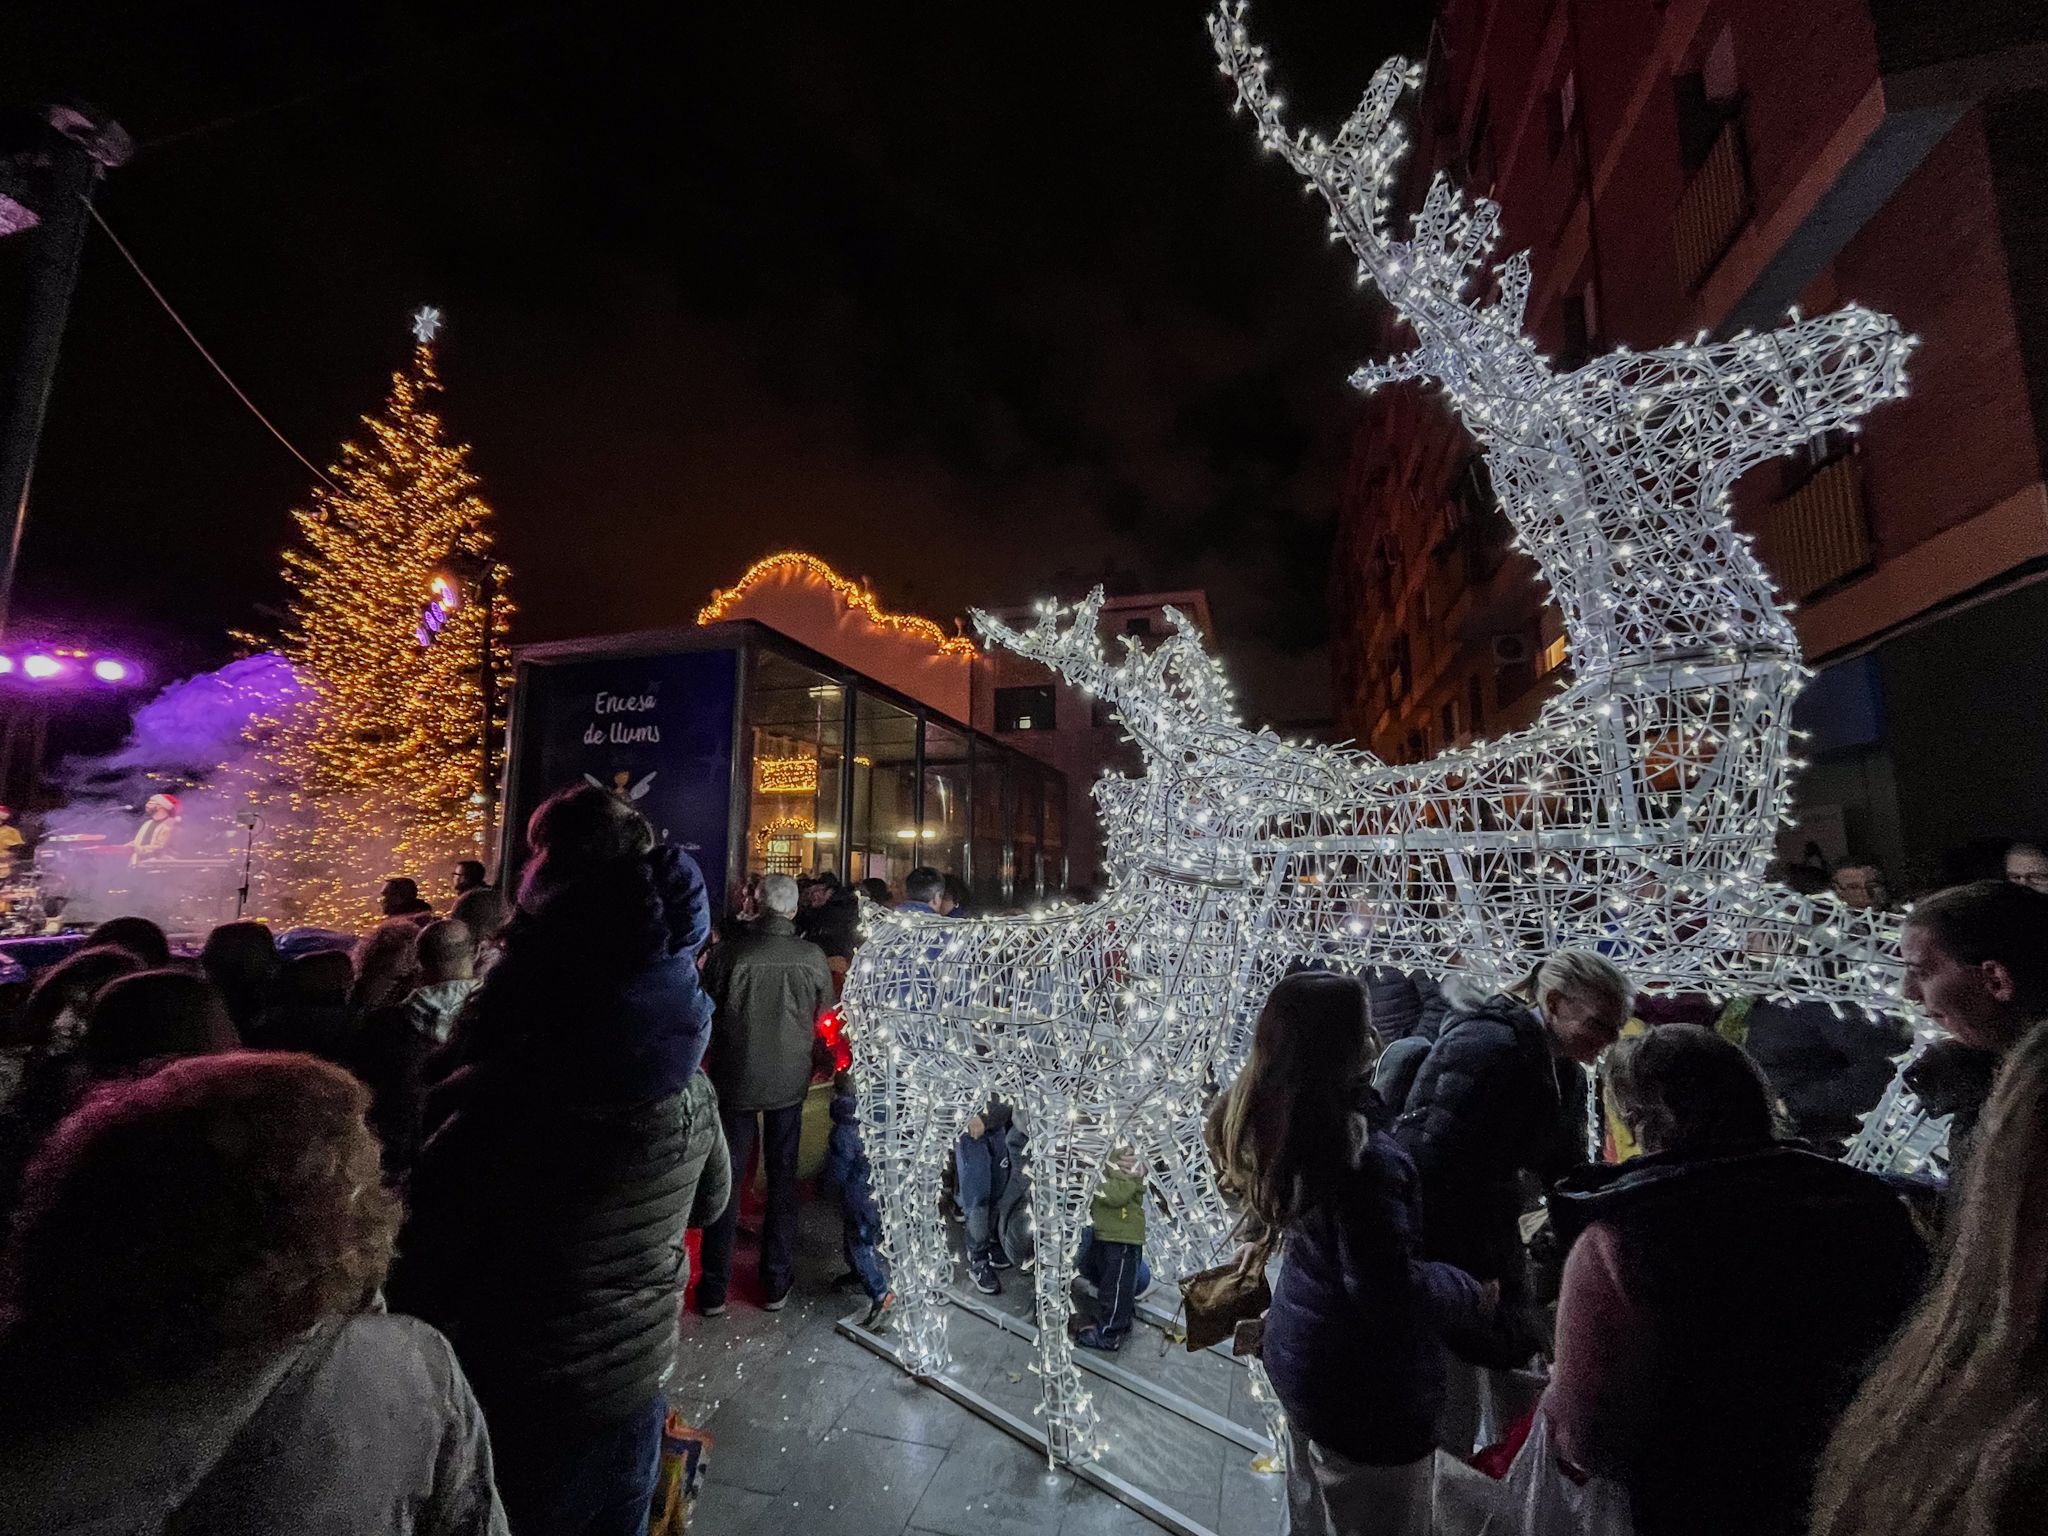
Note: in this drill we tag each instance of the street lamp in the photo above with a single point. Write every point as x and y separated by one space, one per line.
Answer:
461 573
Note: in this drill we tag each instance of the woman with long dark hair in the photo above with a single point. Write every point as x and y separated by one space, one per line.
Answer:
1949 1436
1354 1338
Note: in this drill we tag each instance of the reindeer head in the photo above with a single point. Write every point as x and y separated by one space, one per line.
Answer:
1616 475
1210 782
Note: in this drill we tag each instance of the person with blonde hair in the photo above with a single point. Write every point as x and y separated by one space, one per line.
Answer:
1503 1094
1949 1435
190 1331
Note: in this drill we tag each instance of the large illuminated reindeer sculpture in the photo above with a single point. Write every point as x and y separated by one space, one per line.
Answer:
1635 817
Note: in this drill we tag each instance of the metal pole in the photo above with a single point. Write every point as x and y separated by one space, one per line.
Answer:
77 150
488 686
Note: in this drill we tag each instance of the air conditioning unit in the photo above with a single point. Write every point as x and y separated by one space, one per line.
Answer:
1510 650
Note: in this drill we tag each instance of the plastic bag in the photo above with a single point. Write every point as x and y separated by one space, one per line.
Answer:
1536 1498
675 1485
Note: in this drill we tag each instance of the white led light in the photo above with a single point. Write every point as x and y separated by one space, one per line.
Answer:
1635 817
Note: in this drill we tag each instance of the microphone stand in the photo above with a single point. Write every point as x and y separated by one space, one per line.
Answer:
248 852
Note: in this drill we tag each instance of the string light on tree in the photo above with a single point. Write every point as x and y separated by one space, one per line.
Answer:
376 770
1636 816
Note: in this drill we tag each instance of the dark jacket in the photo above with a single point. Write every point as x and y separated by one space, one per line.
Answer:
1404 1004
1354 1338
1827 1068
707 1160
1719 1311
1954 1079
834 925
770 986
846 1165
389 1057
551 1190
1392 1003
1489 1101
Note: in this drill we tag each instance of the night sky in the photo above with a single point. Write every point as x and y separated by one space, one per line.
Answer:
978 302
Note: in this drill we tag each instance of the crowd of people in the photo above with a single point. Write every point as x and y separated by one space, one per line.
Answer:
1737 1329
388 1233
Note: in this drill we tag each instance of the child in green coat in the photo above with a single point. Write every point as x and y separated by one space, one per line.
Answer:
1115 1253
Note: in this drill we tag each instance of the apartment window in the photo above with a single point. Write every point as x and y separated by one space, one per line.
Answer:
1449 716
1383 573
1024 709
1707 97
1475 703
1418 746
1479 151
1578 331
1404 671
1552 657
1141 625
1563 112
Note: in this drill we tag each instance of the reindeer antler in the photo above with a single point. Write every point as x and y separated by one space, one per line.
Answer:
1177 682
1423 277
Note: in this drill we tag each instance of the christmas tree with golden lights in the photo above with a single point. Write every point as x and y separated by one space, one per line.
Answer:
378 771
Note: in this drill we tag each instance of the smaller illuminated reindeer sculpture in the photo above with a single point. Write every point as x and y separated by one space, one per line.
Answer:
1636 816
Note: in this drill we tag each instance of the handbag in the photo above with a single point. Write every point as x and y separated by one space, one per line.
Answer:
1217 1300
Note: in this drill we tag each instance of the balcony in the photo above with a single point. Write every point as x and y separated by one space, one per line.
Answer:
1714 206
1818 534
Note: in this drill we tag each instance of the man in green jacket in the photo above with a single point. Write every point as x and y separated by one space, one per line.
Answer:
769 987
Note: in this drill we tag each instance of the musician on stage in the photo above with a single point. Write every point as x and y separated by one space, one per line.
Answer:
152 840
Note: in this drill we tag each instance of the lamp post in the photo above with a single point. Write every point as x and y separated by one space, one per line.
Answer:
54 180
461 572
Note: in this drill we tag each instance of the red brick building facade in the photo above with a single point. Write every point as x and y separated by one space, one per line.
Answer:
1678 166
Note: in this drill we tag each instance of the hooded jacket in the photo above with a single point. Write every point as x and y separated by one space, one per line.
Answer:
1117 1210
1354 1338
552 1189
363 1427
1490 1100
1720 1308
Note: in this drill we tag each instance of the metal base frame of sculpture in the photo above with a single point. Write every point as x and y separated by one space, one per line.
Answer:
1636 817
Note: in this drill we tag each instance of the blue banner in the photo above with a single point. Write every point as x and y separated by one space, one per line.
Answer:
654 730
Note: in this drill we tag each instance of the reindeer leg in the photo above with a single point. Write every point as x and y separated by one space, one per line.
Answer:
1066 1157
904 1151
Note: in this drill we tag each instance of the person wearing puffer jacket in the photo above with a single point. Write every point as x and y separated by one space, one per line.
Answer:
1502 1092
554 1184
1501 1096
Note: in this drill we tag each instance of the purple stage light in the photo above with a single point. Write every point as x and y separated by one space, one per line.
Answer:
108 670
41 667
6 666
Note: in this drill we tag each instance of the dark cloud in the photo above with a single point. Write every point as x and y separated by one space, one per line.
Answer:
967 299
